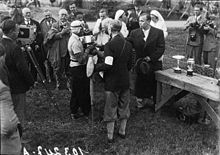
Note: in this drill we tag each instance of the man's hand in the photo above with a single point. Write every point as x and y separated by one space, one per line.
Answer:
36 47
147 58
65 30
90 49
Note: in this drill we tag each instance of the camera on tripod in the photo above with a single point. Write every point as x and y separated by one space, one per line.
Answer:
27 34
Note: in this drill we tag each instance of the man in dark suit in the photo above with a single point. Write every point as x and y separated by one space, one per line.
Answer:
149 44
36 45
20 79
117 64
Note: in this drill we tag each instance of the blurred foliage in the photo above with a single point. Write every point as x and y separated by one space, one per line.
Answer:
109 5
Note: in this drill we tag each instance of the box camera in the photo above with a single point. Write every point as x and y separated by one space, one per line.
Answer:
27 34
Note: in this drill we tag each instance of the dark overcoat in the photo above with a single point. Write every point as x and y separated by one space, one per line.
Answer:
154 47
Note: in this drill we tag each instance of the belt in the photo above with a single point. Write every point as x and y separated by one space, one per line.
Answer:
73 60
74 63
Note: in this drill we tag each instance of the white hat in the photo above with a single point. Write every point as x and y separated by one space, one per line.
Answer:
118 14
63 11
76 23
25 10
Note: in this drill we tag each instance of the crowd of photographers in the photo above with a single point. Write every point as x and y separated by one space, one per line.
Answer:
204 36
66 50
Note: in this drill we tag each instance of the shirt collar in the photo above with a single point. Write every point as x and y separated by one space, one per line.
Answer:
75 36
145 31
25 19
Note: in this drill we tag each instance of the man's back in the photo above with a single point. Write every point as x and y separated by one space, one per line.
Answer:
20 78
118 76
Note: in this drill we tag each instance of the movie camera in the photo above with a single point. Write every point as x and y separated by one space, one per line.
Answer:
27 34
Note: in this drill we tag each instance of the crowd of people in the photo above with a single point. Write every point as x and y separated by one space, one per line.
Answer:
203 36
131 43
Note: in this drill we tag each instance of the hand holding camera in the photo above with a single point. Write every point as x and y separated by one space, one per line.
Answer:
65 30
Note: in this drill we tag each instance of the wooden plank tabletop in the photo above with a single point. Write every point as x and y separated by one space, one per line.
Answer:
197 84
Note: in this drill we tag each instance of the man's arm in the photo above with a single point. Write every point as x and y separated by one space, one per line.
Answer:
22 66
130 38
78 52
96 28
160 47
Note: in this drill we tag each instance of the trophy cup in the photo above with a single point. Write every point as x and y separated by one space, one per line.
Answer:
190 63
178 58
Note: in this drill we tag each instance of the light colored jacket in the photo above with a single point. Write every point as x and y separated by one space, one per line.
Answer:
10 139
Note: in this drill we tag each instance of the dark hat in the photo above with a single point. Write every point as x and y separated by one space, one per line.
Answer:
8 25
142 66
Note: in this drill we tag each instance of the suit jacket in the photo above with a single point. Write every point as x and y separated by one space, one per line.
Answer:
20 79
154 46
116 76
62 38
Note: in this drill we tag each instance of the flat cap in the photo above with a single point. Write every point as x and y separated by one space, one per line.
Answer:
76 23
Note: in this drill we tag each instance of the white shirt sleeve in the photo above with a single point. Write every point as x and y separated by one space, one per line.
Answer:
96 27
124 30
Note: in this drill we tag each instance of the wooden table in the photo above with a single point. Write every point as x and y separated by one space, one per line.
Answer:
204 89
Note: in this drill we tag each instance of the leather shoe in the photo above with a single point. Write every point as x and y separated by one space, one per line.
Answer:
121 135
111 140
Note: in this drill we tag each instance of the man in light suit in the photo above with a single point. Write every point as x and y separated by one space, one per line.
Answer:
149 44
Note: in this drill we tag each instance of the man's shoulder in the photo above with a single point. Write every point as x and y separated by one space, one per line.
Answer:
34 21
156 30
136 31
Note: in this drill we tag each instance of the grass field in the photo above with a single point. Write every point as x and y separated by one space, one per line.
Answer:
148 133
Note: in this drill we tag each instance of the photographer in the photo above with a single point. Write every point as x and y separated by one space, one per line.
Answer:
194 24
20 79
